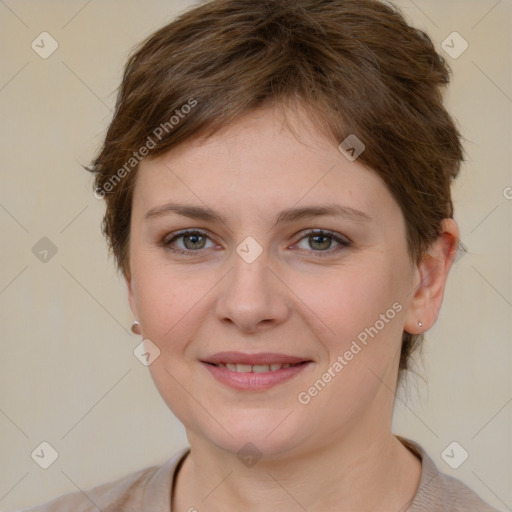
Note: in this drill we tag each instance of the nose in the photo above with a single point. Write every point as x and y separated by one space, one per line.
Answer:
253 296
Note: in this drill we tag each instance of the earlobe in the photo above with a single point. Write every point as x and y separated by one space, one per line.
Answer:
430 279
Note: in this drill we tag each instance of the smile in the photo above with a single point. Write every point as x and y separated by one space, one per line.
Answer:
254 377
257 368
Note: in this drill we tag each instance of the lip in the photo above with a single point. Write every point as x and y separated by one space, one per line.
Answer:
251 381
253 359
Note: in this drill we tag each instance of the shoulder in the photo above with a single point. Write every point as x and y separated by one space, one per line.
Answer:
440 492
459 496
147 487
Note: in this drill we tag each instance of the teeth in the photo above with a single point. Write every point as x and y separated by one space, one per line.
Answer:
257 368
261 368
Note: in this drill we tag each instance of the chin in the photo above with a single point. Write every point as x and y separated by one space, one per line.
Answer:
265 434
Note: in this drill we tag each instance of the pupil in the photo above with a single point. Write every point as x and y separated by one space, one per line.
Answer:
194 240
321 236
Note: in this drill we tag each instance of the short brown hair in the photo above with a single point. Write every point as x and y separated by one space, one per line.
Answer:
355 65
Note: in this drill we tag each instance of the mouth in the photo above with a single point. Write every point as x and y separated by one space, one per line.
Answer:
254 372
257 368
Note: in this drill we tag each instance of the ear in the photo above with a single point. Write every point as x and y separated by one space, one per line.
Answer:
430 279
131 296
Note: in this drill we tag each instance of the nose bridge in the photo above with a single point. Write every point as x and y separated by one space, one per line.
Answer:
250 269
251 293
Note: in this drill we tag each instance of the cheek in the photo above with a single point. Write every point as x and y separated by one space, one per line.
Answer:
169 307
161 296
357 297
365 309
173 302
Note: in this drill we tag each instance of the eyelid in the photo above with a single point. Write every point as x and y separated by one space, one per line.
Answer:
166 242
342 241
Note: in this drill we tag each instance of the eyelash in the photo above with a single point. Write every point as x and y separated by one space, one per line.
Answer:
344 243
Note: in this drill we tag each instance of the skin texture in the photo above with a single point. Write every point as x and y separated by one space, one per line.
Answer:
301 297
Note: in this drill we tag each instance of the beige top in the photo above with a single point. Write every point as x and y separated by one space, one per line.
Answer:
149 490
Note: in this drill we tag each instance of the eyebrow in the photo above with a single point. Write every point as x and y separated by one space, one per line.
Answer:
286 216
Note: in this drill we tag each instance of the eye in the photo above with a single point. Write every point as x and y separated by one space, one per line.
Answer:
321 240
193 241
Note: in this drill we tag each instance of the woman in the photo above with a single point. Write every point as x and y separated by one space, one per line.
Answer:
277 181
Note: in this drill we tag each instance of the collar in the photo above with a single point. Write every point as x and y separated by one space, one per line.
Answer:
157 495
428 487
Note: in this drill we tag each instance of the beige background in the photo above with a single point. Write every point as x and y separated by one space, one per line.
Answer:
68 375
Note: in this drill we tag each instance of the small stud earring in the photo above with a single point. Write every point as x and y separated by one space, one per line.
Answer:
420 324
135 328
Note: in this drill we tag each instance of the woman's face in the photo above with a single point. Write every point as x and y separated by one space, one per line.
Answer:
260 285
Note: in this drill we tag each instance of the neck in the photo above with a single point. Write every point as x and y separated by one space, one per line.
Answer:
363 471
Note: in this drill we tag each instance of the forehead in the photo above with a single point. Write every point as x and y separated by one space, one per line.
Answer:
258 165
